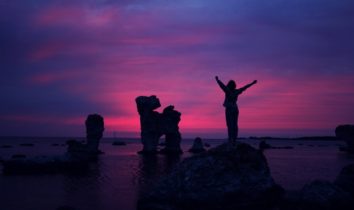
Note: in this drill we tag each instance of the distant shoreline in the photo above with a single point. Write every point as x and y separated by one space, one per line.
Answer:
322 138
304 138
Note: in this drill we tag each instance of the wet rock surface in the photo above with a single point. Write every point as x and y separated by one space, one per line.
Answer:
225 177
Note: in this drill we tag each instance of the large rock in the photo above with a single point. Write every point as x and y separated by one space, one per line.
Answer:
346 133
225 177
94 131
324 195
153 125
345 179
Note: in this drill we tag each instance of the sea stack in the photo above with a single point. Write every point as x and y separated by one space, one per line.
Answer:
346 133
94 131
154 124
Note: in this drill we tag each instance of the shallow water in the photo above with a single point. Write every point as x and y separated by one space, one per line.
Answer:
120 176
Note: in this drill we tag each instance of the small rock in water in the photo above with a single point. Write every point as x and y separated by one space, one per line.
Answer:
198 146
119 143
65 208
6 146
27 144
18 156
264 145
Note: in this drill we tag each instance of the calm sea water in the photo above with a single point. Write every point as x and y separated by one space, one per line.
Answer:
120 176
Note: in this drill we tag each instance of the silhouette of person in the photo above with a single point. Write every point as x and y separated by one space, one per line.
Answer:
231 108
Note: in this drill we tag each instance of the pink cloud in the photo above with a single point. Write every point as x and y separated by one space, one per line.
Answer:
76 16
52 77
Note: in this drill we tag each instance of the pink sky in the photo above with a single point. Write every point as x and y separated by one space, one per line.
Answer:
65 61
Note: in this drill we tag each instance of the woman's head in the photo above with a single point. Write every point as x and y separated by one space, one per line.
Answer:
231 85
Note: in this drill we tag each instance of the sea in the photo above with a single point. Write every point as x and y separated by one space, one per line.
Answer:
121 176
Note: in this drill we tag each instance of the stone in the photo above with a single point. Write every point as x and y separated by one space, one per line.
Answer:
226 177
264 145
119 143
346 133
154 125
198 146
149 122
345 179
27 144
66 208
169 124
77 159
324 195
18 156
94 132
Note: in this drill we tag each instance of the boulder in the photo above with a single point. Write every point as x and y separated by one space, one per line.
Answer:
345 179
346 133
198 146
264 145
324 195
225 177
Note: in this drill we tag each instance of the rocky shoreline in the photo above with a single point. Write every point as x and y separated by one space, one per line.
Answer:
238 177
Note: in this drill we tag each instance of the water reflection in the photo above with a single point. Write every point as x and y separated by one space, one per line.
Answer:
152 167
89 184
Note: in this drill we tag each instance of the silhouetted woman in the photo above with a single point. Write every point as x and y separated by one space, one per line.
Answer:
231 109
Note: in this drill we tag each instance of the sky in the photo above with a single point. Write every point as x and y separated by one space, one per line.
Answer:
63 60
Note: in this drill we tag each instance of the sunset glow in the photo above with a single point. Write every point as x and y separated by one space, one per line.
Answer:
62 60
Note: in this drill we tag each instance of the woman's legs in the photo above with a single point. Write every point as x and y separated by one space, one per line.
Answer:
231 122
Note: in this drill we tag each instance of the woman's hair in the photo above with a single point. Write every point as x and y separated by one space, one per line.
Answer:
231 85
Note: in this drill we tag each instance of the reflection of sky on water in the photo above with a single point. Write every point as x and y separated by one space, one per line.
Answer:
121 176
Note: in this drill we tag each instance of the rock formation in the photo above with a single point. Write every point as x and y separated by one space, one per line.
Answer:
169 126
346 133
94 132
154 125
76 160
345 179
225 177
198 146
